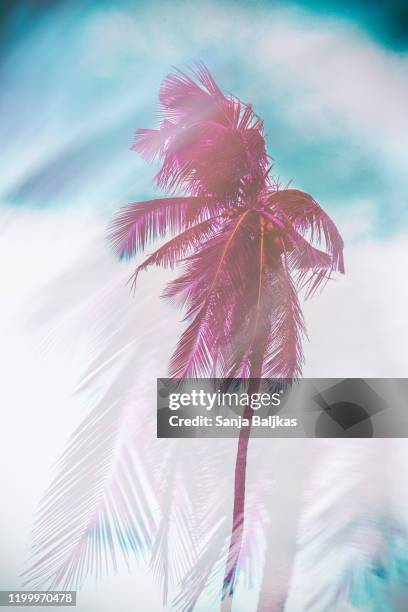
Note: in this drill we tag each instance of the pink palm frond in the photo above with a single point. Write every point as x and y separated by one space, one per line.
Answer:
206 142
181 246
140 223
306 215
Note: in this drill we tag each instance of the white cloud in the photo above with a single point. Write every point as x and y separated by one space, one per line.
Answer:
328 71
338 77
358 326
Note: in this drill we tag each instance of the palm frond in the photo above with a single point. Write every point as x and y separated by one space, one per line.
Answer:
205 572
307 216
96 509
284 354
100 510
183 499
212 273
140 223
180 247
206 142
194 351
311 268
347 549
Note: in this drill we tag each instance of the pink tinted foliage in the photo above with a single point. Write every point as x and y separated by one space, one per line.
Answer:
245 249
206 142
245 246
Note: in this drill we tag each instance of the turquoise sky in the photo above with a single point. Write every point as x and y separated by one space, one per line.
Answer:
330 81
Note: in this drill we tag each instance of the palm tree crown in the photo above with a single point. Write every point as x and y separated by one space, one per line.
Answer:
246 247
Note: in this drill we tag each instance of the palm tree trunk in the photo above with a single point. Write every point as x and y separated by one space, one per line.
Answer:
239 498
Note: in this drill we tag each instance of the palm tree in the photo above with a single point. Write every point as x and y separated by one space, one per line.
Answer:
246 248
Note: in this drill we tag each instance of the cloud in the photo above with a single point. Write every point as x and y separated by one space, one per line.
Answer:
357 326
325 89
345 80
327 69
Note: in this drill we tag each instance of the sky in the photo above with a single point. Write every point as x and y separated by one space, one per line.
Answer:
331 91
77 80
